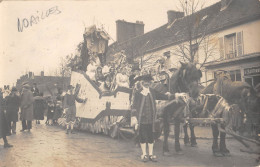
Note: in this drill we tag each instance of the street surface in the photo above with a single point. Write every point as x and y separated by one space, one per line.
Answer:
49 146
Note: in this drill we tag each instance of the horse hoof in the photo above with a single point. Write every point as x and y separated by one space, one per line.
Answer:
218 154
226 154
168 154
194 145
179 153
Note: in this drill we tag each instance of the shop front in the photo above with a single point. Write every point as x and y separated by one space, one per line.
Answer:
252 75
245 68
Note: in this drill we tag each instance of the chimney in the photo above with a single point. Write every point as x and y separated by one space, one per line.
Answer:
42 73
225 3
30 74
173 15
127 30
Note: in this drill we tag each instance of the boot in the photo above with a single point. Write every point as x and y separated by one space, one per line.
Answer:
178 149
7 145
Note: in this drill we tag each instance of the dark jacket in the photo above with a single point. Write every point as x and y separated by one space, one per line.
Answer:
12 107
70 99
39 106
138 102
4 128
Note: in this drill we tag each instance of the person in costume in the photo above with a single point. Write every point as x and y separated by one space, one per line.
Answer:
145 108
70 107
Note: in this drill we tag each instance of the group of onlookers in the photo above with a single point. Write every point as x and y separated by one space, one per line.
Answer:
32 106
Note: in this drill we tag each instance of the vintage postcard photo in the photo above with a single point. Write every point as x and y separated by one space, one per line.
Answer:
130 83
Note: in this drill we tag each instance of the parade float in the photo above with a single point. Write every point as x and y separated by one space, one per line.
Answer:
105 109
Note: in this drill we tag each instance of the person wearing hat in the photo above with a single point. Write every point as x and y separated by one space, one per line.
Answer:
145 108
26 107
4 128
12 108
135 73
35 90
70 107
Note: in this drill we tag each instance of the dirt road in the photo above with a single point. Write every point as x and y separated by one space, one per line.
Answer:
50 146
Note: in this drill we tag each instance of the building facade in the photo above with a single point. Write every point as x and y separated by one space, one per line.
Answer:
229 32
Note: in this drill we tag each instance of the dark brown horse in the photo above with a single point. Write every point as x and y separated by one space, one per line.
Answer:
240 100
240 93
184 80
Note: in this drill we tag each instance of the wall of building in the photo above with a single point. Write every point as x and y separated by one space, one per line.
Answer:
251 44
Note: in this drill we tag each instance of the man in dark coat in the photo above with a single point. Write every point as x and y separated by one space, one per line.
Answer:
12 108
26 107
144 103
4 128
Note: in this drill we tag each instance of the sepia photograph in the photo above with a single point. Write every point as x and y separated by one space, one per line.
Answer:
118 83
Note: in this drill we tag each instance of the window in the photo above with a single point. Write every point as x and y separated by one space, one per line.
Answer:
230 46
235 75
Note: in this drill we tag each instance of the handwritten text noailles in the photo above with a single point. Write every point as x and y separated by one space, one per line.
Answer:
35 19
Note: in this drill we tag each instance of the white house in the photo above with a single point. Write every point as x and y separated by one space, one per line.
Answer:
230 31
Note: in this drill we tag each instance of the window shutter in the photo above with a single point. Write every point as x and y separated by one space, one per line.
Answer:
221 47
240 44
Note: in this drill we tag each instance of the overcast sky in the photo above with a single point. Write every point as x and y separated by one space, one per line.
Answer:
40 46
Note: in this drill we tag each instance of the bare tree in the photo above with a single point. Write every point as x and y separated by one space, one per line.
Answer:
65 69
197 41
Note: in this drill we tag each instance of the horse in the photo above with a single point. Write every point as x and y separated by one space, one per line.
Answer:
236 92
184 80
241 99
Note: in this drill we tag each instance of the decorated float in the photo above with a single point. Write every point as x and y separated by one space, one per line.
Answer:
107 109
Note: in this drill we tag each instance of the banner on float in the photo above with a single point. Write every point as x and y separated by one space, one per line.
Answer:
95 103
